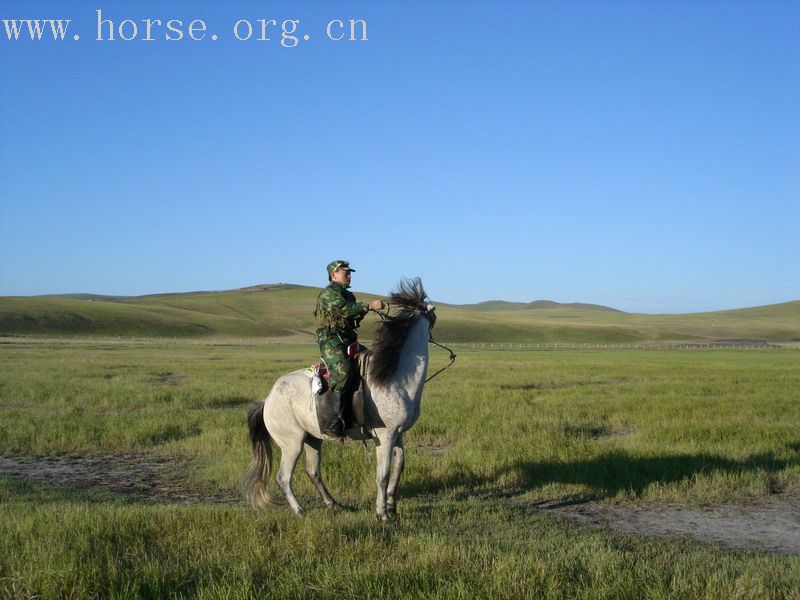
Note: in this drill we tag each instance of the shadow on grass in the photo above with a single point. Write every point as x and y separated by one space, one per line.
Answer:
618 472
606 475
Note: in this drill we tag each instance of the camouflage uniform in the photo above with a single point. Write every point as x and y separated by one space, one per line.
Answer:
338 316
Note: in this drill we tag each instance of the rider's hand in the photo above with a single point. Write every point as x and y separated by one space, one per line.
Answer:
376 305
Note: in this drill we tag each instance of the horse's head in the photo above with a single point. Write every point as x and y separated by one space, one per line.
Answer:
430 313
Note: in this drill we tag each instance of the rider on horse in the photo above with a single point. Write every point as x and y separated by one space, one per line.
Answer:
338 315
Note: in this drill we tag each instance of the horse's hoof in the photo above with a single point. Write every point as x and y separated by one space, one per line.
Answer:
383 518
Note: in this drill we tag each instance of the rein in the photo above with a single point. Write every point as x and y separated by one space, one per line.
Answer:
452 357
385 315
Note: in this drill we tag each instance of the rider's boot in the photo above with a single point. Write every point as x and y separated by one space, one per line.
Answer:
329 409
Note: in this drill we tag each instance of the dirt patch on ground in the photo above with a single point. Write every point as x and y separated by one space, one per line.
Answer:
771 524
436 450
141 478
171 378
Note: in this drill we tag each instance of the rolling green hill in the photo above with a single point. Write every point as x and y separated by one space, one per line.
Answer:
538 304
285 311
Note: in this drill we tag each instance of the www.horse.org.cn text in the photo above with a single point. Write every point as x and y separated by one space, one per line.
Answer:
288 33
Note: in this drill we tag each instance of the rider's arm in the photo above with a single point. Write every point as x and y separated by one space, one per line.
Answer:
341 308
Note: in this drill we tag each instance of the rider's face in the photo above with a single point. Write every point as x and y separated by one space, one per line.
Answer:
342 277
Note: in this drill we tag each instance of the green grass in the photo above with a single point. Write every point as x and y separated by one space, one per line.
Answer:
440 549
286 312
498 432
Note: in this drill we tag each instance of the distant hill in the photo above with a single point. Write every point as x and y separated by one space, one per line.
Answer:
537 304
286 311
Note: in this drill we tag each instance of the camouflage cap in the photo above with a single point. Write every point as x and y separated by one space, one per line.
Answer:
335 265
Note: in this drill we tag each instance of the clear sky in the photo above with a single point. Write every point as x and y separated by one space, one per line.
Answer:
643 155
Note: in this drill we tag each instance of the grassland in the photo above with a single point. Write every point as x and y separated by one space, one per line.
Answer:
499 434
285 312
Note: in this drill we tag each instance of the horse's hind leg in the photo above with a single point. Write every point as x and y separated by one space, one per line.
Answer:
398 462
289 455
313 450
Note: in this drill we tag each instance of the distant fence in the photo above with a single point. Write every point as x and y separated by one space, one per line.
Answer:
721 345
791 345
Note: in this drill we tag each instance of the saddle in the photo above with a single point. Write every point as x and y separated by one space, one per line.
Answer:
356 404
352 404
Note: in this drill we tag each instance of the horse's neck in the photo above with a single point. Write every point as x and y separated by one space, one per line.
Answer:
413 364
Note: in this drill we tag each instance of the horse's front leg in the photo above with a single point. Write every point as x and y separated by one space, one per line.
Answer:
383 451
313 450
398 462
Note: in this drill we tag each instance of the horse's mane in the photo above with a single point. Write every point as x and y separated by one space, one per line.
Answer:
393 331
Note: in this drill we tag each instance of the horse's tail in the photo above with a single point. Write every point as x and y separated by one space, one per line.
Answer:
259 470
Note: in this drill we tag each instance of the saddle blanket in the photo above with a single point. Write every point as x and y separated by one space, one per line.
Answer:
318 373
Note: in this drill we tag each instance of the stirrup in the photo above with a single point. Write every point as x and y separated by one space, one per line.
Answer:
335 429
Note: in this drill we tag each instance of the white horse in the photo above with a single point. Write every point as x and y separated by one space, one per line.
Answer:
392 392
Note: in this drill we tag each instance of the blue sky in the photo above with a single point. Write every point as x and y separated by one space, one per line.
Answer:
642 155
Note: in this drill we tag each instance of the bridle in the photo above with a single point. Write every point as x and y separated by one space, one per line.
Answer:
427 311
